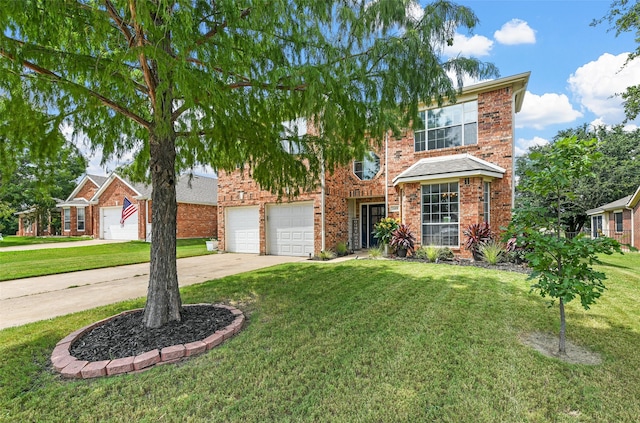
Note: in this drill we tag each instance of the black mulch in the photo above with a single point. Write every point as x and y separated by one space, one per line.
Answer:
126 336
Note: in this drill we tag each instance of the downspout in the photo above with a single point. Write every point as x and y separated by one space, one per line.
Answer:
322 203
513 142
386 174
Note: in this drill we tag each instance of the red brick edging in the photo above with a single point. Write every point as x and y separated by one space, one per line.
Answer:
70 367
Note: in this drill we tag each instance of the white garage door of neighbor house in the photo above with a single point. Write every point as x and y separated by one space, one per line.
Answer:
242 231
111 227
290 229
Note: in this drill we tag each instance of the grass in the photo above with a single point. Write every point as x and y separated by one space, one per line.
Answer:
50 261
359 341
14 241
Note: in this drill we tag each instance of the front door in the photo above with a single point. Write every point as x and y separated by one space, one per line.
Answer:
370 214
596 226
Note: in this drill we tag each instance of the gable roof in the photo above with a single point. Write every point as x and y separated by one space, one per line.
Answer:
455 166
94 179
635 198
194 190
614 205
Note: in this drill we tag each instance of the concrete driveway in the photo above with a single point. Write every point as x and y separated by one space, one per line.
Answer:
33 299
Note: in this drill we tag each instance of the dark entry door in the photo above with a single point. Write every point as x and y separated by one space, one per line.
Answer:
370 215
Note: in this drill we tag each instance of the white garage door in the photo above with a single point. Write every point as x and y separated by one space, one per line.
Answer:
111 227
290 229
242 231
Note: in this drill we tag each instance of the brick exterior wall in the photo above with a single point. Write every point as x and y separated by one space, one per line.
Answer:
344 191
197 221
87 191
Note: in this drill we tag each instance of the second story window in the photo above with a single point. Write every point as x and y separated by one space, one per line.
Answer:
449 126
293 130
367 168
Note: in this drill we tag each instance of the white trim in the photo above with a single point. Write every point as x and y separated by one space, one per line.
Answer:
452 175
497 173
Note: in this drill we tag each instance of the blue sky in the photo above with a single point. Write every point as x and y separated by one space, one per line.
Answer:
576 69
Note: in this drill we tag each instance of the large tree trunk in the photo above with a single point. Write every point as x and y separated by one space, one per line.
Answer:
561 347
163 296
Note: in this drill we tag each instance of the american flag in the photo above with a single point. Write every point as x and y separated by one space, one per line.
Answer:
127 210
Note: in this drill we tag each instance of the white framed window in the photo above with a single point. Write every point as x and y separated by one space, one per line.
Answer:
449 126
292 131
80 217
617 218
66 218
486 202
367 168
440 215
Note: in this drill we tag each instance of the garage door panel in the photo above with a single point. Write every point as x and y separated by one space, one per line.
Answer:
290 229
242 230
111 227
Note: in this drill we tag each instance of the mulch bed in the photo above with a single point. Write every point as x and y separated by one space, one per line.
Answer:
126 336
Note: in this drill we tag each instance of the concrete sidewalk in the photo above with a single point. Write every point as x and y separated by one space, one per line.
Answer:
29 300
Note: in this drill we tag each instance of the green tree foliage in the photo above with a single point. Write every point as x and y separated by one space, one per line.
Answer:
615 174
624 16
189 82
38 182
561 263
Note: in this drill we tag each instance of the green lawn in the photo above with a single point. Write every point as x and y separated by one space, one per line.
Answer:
49 261
359 341
13 241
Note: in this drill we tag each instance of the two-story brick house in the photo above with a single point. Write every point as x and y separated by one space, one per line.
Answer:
455 170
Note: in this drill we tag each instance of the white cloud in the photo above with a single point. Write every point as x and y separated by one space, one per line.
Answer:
539 111
523 145
516 31
596 84
415 11
476 46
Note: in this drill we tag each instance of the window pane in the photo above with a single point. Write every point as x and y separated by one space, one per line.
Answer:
367 168
471 112
471 134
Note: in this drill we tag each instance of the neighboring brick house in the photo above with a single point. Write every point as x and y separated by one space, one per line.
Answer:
619 219
95 208
439 179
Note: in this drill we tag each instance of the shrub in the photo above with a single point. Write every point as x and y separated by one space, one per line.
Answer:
421 253
492 252
477 234
375 252
327 255
445 253
342 249
403 239
383 230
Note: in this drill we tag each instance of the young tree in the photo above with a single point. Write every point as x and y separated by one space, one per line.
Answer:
561 264
624 16
189 82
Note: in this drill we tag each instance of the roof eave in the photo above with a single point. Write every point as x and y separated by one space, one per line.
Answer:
465 174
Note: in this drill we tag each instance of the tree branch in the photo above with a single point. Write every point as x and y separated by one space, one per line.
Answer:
119 22
246 12
57 78
149 76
